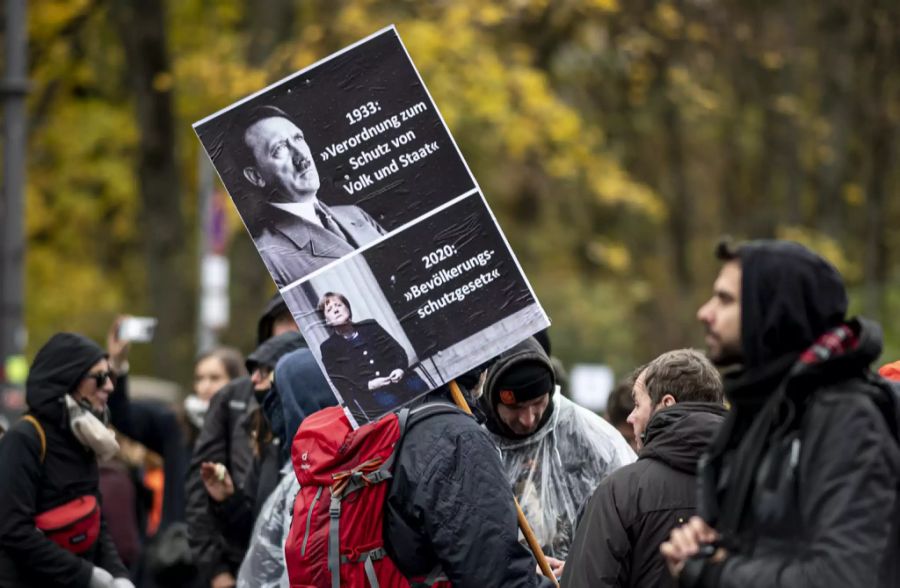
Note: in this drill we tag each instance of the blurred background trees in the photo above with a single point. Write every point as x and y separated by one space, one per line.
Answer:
615 141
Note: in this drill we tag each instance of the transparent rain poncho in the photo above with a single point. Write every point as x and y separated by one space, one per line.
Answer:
263 565
556 470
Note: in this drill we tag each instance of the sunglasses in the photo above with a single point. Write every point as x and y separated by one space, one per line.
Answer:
100 378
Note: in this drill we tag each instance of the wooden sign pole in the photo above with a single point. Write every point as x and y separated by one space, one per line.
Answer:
460 401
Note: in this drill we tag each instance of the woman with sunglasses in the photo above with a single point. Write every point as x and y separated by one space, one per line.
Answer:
51 530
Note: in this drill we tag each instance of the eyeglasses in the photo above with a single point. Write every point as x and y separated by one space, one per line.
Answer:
100 378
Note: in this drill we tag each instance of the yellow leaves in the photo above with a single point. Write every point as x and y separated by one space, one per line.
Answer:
72 292
162 82
213 80
697 33
614 256
87 147
355 20
604 5
489 14
668 19
772 60
312 33
788 105
611 185
690 91
46 18
853 194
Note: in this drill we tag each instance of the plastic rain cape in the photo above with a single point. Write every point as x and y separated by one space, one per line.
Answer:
556 470
263 566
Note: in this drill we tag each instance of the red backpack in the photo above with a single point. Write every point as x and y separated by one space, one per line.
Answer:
335 538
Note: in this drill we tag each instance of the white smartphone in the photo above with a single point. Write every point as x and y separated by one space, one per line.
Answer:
138 329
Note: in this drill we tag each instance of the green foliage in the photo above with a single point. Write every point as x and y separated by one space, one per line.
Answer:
615 142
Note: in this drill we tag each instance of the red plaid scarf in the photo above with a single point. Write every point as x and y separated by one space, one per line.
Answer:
835 342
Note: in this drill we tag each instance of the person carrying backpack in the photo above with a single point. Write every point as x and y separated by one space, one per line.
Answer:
52 533
415 499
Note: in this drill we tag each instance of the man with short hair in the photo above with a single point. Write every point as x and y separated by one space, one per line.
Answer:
677 410
554 451
799 488
294 231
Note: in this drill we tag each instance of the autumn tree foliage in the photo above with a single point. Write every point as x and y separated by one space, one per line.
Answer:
614 140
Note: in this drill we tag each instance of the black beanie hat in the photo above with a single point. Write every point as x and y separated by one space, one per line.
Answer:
525 381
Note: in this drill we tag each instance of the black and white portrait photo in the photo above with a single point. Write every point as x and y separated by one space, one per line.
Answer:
334 157
358 340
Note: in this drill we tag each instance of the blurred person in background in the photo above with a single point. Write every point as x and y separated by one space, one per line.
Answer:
212 370
619 407
50 475
225 438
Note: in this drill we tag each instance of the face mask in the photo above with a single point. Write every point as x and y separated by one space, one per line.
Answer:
196 408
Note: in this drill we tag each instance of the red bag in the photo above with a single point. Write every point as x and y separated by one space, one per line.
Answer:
74 526
335 538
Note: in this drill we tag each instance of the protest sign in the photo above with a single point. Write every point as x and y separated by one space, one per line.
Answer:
372 226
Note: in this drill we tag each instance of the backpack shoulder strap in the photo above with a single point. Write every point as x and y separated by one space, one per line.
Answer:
40 431
409 417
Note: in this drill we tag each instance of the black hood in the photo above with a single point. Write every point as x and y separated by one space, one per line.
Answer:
56 370
528 351
274 307
679 434
789 296
271 350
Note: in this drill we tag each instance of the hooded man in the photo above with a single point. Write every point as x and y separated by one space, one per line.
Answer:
799 488
554 451
225 439
677 410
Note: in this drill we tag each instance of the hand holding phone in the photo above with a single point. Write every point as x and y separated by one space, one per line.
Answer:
137 329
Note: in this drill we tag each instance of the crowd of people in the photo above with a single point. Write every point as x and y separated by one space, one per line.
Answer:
770 460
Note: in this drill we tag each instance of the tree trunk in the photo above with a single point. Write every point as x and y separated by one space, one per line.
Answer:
166 246
268 25
881 47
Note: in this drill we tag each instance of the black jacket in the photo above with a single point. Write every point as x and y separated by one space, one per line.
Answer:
450 505
225 438
802 479
69 470
635 508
